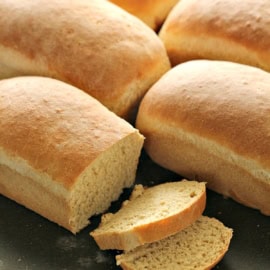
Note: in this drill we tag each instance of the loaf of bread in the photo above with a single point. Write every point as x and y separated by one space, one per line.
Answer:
237 31
152 12
93 45
209 120
62 153
152 214
200 246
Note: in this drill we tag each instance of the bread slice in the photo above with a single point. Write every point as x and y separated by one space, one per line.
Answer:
200 246
152 214
62 153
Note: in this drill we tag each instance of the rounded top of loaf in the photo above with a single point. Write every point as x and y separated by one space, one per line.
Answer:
221 101
93 45
232 30
55 128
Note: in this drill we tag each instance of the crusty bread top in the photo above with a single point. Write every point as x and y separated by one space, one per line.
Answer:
225 102
152 12
54 127
152 214
244 23
200 246
93 45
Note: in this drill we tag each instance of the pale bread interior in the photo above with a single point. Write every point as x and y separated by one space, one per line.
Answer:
151 214
200 246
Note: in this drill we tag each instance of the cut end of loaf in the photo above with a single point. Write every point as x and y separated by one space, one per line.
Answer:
200 246
102 182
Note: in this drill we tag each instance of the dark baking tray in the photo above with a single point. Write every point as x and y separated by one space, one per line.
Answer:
30 242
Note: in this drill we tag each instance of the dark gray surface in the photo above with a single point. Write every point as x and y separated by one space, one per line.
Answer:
30 242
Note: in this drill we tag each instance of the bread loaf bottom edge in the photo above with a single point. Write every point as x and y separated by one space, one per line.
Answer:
225 172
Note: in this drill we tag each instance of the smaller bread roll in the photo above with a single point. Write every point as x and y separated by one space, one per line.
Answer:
152 214
237 31
200 246
91 44
209 120
62 153
152 12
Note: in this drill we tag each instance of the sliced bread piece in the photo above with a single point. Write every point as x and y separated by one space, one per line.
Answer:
152 214
200 246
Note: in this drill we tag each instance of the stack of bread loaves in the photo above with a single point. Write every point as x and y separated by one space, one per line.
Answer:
162 227
93 45
62 153
72 73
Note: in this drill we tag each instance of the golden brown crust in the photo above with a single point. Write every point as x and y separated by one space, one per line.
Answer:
93 45
55 124
34 196
217 114
217 29
62 153
152 12
222 101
